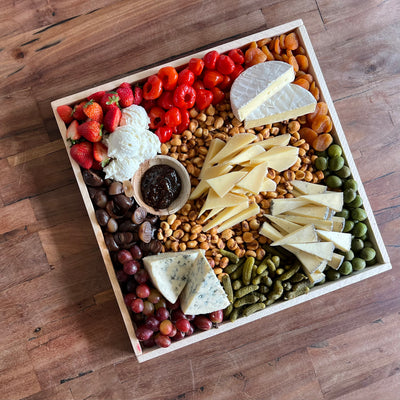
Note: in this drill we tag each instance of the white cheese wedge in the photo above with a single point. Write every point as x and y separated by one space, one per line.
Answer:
249 212
216 170
215 146
224 215
338 224
310 262
305 234
214 201
254 179
224 183
169 271
203 292
270 232
323 224
341 240
268 185
308 188
315 277
290 102
199 190
337 260
280 140
333 200
245 155
319 249
311 211
233 146
278 158
213 212
257 84
279 206
283 225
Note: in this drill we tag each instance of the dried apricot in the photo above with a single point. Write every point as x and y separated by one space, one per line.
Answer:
254 56
278 57
322 124
252 45
302 82
303 62
322 142
300 50
293 63
267 52
308 77
277 47
291 41
320 109
282 41
308 135
285 58
263 42
315 92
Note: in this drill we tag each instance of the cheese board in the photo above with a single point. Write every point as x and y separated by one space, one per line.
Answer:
247 163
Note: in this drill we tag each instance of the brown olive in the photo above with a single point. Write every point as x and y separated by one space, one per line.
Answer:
128 226
123 202
110 242
152 219
100 199
115 188
139 215
123 238
145 232
112 225
113 211
91 178
155 246
102 217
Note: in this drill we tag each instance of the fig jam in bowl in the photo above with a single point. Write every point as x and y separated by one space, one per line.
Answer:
161 185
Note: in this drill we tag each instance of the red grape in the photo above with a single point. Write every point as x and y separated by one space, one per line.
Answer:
162 314
136 252
154 296
182 325
176 315
131 267
190 331
128 298
137 305
148 308
202 322
162 340
149 342
178 336
144 333
173 306
121 276
142 291
161 303
152 323
173 332
217 316
141 276
124 256
166 327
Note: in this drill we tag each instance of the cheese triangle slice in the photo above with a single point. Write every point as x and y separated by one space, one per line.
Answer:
279 158
224 183
284 226
233 146
247 213
341 240
229 200
216 170
225 215
245 155
319 249
290 102
280 140
199 190
215 146
330 199
311 262
257 84
308 187
305 234
254 180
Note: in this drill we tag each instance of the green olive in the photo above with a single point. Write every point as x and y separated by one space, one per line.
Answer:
350 184
348 226
368 253
358 214
336 163
358 264
346 268
332 275
349 255
333 181
345 213
344 172
334 150
357 244
349 195
360 229
357 202
321 163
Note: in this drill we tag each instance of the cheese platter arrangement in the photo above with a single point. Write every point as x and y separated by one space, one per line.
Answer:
220 188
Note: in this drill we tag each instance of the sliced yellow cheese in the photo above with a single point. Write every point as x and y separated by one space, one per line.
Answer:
215 146
233 146
224 183
305 234
341 240
284 226
268 185
336 261
245 155
254 179
279 158
290 102
338 223
320 249
216 170
199 190
325 225
311 211
270 232
308 187
280 140
214 201
249 212
224 215
213 212
315 277
333 200
310 262
279 206
258 83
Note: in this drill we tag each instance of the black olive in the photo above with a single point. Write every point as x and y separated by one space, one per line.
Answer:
110 242
102 217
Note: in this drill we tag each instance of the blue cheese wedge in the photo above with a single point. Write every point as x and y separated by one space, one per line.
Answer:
290 102
257 84
203 292
169 271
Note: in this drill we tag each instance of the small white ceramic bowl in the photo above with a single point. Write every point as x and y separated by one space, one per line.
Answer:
184 194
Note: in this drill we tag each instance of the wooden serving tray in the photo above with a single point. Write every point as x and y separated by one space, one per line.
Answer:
339 137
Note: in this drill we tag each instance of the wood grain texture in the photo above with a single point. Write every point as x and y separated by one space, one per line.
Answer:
63 337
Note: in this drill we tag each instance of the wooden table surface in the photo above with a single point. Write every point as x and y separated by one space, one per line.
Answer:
62 336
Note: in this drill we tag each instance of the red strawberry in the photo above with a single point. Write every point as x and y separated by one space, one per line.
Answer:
93 111
78 111
137 95
100 153
126 85
109 100
125 96
82 153
96 165
65 112
111 119
72 132
90 130
97 96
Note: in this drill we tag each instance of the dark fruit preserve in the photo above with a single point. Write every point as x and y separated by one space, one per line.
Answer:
160 186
